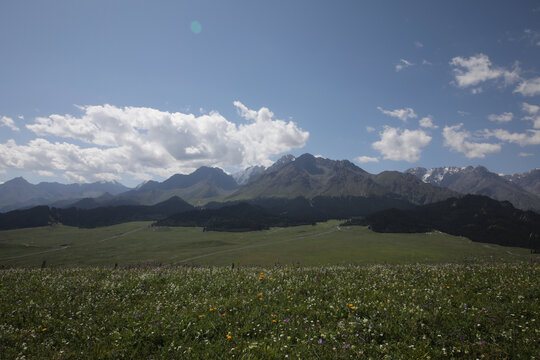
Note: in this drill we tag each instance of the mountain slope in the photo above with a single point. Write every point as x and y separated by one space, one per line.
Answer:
529 181
309 176
480 181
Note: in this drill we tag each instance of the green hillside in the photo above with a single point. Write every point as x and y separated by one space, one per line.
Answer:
322 244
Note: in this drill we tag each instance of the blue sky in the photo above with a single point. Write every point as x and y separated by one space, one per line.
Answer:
133 90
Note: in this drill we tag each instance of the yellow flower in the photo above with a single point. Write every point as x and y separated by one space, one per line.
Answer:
200 316
259 294
44 329
228 336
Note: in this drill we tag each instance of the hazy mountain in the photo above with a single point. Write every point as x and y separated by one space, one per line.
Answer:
248 174
480 181
309 176
529 181
478 218
19 193
203 184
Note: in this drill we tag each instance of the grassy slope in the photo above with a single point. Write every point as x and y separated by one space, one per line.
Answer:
309 245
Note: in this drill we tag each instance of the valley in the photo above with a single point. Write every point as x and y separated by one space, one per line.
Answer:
326 243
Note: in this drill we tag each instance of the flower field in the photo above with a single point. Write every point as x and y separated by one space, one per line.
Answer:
397 311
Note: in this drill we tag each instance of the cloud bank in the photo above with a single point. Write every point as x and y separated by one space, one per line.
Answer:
106 141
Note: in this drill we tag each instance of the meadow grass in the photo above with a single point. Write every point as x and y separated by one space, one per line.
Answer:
323 244
467 311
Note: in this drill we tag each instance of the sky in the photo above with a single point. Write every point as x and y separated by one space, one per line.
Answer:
134 90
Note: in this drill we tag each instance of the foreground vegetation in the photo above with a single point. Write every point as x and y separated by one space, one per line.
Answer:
322 244
400 311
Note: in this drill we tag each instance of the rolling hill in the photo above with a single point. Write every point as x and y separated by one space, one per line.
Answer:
476 217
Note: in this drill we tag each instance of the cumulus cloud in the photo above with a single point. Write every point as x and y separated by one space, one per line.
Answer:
143 142
403 64
398 145
530 137
478 69
529 87
8 122
427 122
402 114
460 141
366 159
504 117
534 114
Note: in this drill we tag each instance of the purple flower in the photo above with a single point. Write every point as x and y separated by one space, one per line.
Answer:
320 340
287 320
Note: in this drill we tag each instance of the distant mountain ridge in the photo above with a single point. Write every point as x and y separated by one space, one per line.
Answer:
480 181
202 184
19 193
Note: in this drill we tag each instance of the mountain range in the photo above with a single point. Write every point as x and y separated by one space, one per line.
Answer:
522 190
306 176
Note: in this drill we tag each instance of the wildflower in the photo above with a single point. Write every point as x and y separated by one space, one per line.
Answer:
448 286
320 340
200 316
44 329
228 336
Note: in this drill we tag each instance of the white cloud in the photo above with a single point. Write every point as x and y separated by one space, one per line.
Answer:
523 154
477 69
403 64
8 122
529 87
143 141
425 62
45 173
529 108
504 117
427 122
477 90
401 145
462 113
370 129
418 44
530 137
20 117
534 114
459 141
366 159
402 114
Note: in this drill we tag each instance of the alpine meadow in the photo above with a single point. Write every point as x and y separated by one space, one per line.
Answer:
207 179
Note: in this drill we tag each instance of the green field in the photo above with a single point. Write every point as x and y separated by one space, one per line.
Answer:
322 244
467 311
